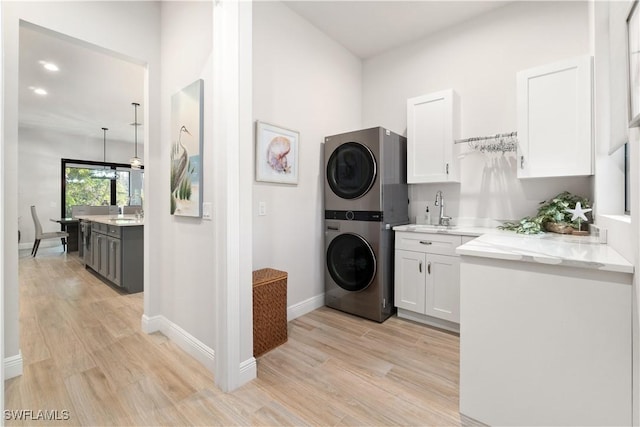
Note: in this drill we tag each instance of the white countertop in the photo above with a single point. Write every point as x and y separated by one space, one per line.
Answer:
127 220
546 248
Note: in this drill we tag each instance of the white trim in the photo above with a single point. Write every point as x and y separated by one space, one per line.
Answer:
625 219
13 366
248 370
303 307
187 342
151 324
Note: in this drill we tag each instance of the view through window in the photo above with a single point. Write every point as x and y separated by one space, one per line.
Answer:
83 187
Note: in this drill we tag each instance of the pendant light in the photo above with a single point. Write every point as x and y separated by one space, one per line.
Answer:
104 173
136 163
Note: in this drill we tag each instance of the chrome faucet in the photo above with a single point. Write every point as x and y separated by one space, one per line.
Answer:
442 218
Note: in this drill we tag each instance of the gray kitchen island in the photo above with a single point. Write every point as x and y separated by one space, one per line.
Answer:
113 247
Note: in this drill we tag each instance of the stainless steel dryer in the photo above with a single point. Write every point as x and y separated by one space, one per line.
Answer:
366 171
365 196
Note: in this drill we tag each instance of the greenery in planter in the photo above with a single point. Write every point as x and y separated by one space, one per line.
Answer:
553 210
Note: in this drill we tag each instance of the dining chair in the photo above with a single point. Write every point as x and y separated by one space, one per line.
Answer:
62 235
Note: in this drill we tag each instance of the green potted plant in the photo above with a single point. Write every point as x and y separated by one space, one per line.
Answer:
552 216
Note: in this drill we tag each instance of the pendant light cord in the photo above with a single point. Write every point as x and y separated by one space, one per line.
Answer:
104 147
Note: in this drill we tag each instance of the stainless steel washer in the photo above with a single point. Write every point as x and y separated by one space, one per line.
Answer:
359 268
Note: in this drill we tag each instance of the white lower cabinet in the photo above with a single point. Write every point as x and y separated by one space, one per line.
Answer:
443 287
427 278
410 273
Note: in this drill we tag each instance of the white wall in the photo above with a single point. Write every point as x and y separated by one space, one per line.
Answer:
611 128
305 81
39 154
479 59
186 263
131 28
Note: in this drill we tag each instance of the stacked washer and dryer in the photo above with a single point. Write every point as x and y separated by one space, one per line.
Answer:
365 196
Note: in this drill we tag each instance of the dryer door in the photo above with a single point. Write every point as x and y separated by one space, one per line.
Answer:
351 262
351 170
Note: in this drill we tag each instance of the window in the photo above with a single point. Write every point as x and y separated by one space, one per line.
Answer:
81 187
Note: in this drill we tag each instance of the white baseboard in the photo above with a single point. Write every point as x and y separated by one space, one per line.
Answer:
194 347
151 324
205 354
248 370
307 306
13 366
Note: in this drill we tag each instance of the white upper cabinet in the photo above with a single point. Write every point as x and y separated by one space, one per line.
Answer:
432 127
555 119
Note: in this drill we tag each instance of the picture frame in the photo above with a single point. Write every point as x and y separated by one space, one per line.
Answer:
276 154
187 125
633 59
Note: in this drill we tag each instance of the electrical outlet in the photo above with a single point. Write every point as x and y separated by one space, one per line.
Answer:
262 209
206 211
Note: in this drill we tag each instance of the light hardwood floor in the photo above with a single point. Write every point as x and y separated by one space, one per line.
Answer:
84 352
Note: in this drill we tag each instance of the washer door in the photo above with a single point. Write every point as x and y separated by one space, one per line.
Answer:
351 170
351 262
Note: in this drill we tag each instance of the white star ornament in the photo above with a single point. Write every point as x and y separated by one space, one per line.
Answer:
578 212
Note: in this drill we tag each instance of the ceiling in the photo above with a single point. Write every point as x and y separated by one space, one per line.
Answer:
368 28
94 88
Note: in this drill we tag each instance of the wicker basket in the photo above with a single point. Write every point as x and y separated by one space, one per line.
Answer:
269 309
559 228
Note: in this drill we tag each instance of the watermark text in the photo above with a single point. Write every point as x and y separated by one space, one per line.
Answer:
37 415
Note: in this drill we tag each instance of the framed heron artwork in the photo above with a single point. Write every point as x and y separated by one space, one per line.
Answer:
186 150
276 154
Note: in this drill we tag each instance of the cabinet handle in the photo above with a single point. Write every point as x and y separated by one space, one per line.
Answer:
429 267
420 266
447 168
521 162
425 242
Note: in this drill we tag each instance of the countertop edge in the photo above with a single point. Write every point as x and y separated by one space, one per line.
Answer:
128 220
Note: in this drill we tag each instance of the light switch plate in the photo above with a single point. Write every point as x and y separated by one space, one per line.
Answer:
206 211
262 209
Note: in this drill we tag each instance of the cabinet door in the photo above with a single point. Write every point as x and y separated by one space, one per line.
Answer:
432 126
409 284
554 120
443 287
94 261
115 261
103 265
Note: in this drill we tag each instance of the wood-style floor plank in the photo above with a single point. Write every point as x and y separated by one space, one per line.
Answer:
83 351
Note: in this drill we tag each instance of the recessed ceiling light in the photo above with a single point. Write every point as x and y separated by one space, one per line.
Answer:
49 66
39 91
